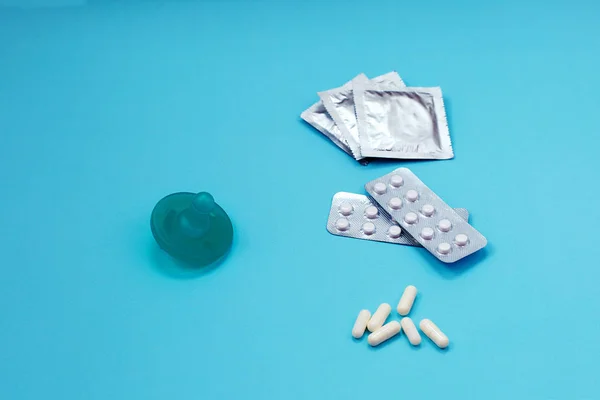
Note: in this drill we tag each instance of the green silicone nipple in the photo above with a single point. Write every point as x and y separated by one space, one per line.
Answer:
192 228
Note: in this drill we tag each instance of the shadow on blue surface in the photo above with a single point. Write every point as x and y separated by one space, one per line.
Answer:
319 134
455 270
410 346
173 268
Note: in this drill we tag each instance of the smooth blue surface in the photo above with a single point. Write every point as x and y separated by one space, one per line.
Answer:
105 109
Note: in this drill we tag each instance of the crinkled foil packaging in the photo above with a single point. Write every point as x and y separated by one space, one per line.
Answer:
339 104
402 123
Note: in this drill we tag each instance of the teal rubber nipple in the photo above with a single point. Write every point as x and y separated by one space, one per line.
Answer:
192 228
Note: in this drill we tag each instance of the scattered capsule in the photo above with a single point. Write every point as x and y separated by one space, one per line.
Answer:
379 317
407 300
361 324
384 333
409 328
434 333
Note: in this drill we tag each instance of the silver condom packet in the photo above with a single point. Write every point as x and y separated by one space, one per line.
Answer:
403 123
319 118
339 103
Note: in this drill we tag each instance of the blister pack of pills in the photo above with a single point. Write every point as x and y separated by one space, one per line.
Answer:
407 123
339 103
354 215
425 216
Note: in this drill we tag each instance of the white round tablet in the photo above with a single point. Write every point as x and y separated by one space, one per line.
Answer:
368 228
380 188
445 225
411 218
371 212
427 210
427 233
345 209
394 231
444 248
412 195
342 224
396 181
395 203
461 239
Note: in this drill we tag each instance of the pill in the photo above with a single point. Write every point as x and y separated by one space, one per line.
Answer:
427 233
394 231
371 212
384 333
361 324
379 188
379 317
445 225
411 218
395 203
407 300
342 224
409 328
428 210
368 228
345 209
396 181
434 333
461 239
444 248
412 195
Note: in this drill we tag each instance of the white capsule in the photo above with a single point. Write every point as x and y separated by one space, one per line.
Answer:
395 203
407 300
396 181
461 239
409 328
378 319
368 228
384 333
361 324
410 218
380 188
434 333
427 233
371 212
342 224
427 210
445 225
345 209
394 232
444 248
412 195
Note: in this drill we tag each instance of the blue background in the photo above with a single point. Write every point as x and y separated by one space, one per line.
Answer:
107 107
